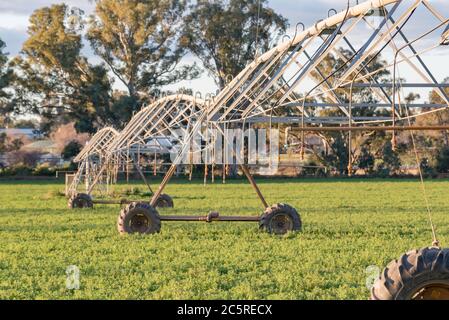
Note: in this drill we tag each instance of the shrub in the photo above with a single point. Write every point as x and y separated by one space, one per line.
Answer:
389 163
366 160
390 157
19 170
426 168
43 170
71 150
381 168
442 160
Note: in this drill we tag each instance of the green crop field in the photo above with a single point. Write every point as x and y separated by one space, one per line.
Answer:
348 226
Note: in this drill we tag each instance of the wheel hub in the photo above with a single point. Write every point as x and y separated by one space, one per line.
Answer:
432 292
281 223
79 203
139 223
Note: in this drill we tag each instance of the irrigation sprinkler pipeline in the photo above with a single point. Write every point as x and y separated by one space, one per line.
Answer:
252 93
372 128
210 217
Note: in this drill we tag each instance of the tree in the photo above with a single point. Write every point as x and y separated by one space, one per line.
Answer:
139 41
227 35
339 156
71 150
360 147
431 143
442 160
24 123
136 39
366 160
56 81
389 161
6 75
3 73
8 144
64 134
440 117
3 142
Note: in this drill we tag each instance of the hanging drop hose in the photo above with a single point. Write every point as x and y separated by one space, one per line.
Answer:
355 77
435 242
320 47
347 61
319 84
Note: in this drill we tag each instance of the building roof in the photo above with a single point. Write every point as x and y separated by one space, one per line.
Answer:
46 146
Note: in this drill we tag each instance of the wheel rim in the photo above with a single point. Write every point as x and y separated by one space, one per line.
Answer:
432 291
281 223
139 223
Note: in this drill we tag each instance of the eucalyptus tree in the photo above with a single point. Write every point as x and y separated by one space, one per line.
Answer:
6 75
135 43
140 42
227 35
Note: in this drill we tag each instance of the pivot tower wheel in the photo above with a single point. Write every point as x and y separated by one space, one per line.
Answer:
164 201
280 219
80 201
139 217
417 275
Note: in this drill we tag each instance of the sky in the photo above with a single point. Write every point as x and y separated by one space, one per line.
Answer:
14 16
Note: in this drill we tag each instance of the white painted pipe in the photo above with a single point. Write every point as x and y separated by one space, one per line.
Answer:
330 22
93 142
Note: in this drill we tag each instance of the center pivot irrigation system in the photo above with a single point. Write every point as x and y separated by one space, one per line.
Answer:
289 84
150 131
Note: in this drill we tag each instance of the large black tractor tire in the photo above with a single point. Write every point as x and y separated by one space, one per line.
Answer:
138 217
164 201
280 219
417 275
80 201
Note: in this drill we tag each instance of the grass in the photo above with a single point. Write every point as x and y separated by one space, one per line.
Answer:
348 225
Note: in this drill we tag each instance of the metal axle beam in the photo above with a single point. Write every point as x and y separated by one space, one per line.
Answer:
209 219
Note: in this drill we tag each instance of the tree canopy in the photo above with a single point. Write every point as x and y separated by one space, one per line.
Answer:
54 79
227 35
135 39
139 41
6 75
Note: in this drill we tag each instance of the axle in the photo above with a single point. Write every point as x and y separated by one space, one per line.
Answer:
211 216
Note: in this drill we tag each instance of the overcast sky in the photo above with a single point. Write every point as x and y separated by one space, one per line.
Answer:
14 16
